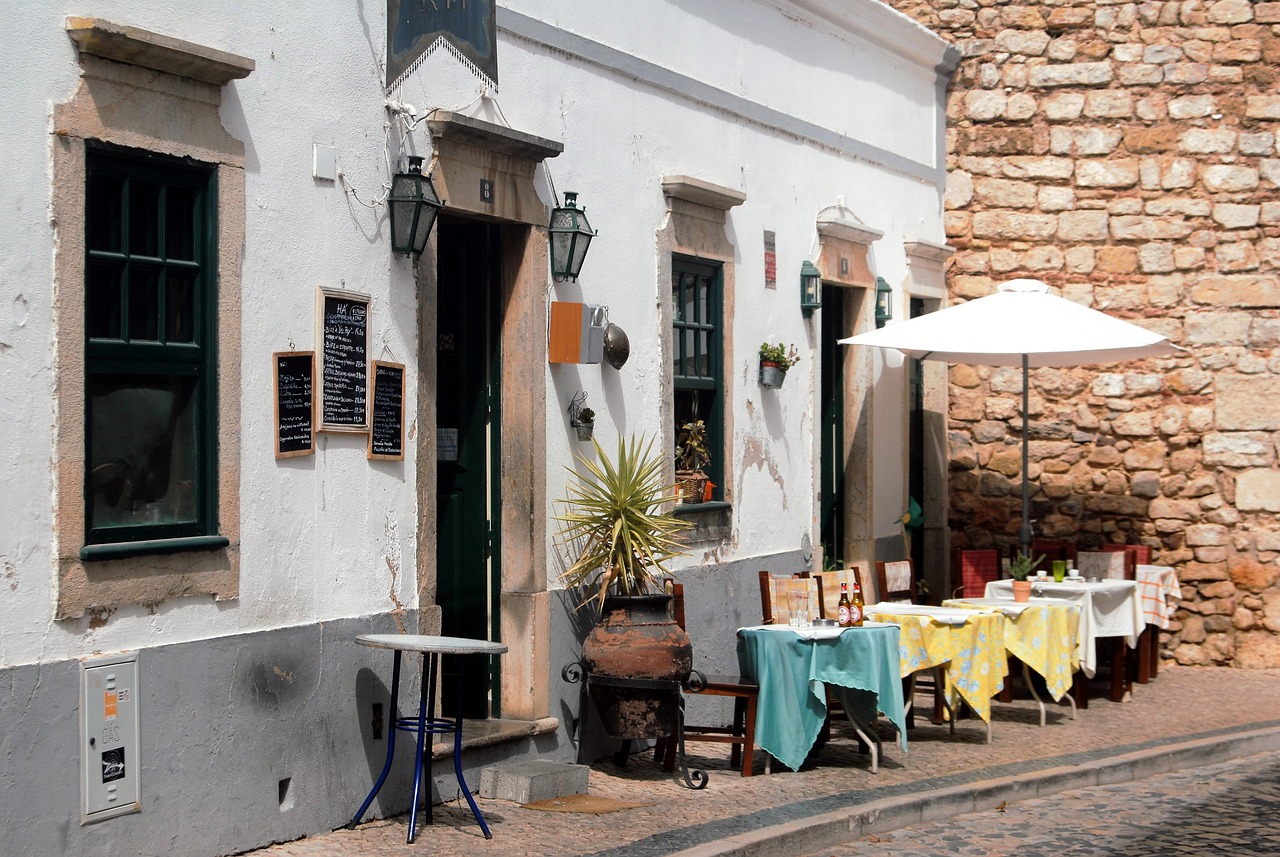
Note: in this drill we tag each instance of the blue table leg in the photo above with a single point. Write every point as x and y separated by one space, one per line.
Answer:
391 741
426 692
457 758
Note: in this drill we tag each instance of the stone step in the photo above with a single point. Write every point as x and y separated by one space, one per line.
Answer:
530 780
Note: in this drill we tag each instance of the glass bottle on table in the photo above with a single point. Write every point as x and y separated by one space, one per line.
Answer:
855 607
844 611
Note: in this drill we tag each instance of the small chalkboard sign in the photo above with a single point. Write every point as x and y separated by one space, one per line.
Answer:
294 403
343 334
386 407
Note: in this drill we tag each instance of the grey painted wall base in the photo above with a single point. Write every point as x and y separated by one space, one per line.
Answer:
245 741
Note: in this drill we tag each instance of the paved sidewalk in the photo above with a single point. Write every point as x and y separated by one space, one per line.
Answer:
1185 718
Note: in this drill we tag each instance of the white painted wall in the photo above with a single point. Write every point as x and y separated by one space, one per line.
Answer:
322 534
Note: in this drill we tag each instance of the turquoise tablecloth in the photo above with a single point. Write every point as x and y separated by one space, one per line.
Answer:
861 665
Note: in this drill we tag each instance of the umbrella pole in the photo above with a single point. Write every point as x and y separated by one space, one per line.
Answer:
1024 532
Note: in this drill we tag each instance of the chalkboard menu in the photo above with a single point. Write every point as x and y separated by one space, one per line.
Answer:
343 334
386 403
294 401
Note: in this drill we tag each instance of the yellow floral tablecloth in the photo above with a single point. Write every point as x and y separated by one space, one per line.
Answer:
969 643
1042 635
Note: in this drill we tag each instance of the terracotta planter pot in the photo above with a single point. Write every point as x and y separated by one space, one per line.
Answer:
1021 590
636 638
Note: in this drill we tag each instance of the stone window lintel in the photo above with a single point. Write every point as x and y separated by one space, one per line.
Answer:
135 46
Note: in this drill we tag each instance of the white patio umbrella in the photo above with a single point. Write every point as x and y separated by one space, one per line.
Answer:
1021 324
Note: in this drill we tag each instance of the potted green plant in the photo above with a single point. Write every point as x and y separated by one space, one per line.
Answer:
691 456
585 423
775 360
1020 568
618 523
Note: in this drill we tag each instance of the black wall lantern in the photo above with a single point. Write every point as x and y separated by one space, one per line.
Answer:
414 204
884 301
810 287
570 236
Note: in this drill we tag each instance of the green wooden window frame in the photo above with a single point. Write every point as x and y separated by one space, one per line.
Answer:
150 354
697 352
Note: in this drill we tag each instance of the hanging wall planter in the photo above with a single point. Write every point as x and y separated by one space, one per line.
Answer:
772 374
582 419
775 360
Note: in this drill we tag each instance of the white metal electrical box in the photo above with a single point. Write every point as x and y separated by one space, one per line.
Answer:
109 759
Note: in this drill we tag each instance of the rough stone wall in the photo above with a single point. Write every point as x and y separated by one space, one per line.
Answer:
1126 154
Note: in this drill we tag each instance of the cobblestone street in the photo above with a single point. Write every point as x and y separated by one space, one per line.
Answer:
1229 808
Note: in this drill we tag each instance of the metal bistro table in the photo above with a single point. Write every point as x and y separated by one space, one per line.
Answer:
426 723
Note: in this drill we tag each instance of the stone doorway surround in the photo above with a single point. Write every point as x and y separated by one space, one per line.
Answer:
486 171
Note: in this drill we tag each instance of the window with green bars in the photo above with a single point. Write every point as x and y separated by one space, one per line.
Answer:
697 299
150 371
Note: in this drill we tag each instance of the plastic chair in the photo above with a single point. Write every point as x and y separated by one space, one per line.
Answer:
974 569
741 733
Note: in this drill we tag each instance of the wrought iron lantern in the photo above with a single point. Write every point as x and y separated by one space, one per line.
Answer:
414 205
571 234
810 287
884 301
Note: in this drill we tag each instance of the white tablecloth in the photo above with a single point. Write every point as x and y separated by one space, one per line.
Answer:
1158 589
1108 608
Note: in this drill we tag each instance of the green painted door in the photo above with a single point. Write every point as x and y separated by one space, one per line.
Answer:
832 507
467 453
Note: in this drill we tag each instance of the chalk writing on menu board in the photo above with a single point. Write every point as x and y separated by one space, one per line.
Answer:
386 432
295 433
344 337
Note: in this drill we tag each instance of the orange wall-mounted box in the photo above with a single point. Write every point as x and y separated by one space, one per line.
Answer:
577 333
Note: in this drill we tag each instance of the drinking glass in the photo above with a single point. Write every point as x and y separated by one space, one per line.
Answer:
1059 570
799 604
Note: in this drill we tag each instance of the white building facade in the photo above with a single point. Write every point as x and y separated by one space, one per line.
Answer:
187 187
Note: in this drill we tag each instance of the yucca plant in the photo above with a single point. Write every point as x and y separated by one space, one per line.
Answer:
615 520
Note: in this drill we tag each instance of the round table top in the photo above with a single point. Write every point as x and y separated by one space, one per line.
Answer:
435 645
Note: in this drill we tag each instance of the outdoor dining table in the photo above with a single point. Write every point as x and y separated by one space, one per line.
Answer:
967 647
1042 635
1108 608
796 666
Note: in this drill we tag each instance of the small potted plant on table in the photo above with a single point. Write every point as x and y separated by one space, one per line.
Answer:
775 360
1020 569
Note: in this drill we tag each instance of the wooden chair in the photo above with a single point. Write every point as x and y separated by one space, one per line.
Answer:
1108 564
741 733
1148 659
1112 565
829 586
896 581
1050 549
974 569
774 589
